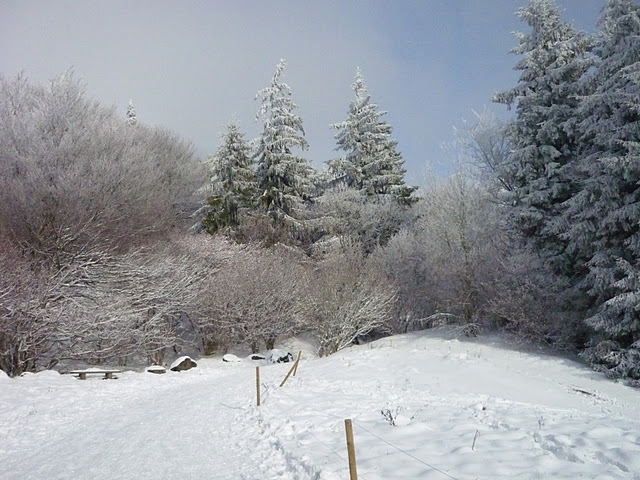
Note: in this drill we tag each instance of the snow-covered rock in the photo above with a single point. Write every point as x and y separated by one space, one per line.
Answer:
256 356
159 369
182 363
3 375
279 356
231 358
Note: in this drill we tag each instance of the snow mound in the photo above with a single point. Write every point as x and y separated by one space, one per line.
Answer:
279 356
231 358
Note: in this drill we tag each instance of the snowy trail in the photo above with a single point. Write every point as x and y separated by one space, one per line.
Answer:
196 424
423 406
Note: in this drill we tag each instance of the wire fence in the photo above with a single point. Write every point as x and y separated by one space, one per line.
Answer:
320 441
405 452
365 430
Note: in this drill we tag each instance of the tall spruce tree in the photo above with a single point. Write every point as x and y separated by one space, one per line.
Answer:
543 133
604 215
371 162
284 178
234 181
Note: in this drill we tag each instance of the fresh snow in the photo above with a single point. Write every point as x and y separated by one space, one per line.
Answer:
424 406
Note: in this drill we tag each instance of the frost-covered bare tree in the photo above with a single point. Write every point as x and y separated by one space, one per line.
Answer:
527 301
141 300
255 298
484 144
405 266
458 229
106 306
27 315
350 298
73 175
81 195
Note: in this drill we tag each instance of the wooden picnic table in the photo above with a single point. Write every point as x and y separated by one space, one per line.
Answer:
82 374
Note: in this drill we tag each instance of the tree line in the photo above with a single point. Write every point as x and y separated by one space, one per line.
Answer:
573 171
118 243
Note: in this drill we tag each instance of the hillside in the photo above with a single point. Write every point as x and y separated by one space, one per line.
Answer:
424 405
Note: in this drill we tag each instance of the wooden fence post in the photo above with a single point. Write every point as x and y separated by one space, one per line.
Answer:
351 450
258 386
293 368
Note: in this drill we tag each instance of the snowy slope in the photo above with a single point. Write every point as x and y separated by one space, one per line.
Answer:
419 403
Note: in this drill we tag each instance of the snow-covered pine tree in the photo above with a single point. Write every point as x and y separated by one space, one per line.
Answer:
132 119
543 133
233 179
371 162
284 178
604 215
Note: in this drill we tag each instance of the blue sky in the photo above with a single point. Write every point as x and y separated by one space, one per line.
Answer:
194 65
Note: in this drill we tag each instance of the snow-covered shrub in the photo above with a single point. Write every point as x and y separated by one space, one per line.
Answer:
404 264
529 301
256 297
279 356
350 299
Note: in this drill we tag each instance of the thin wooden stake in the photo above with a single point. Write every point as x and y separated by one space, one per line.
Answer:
291 370
295 367
258 386
351 449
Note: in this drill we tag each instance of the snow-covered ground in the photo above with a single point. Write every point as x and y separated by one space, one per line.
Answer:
423 405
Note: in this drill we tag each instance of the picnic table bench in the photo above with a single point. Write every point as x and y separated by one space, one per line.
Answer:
82 374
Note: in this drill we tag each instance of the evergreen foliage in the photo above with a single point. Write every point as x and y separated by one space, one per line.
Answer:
604 215
371 162
284 178
234 181
132 118
576 157
543 134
